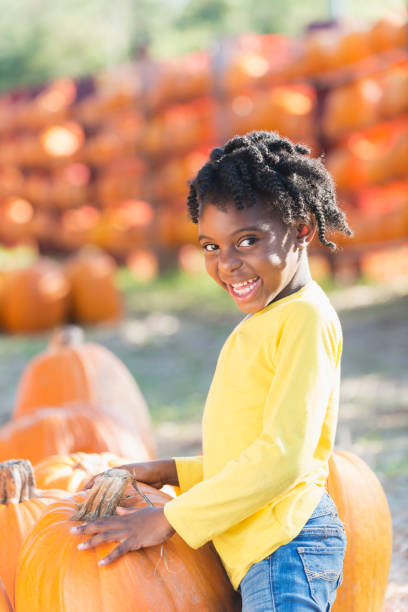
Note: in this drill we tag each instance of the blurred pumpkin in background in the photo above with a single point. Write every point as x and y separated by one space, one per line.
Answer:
76 225
11 181
143 264
35 298
121 179
71 185
94 297
84 372
351 106
124 227
389 32
64 430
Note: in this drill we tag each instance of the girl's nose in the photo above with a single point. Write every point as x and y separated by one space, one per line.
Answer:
228 261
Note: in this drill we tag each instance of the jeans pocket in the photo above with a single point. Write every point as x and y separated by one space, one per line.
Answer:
323 567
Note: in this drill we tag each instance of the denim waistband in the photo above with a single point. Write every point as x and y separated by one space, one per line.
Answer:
325 506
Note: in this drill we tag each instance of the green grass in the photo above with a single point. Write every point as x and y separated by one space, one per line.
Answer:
177 291
174 291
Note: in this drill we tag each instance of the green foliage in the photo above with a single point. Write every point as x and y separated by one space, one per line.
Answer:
175 291
39 42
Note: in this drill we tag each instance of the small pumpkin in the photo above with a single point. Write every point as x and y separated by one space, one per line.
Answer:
172 577
362 507
94 296
21 505
71 370
35 298
71 472
63 430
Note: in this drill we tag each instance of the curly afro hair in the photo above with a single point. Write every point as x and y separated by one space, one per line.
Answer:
264 166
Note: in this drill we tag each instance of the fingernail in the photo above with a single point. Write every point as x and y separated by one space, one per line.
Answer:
74 530
81 546
102 562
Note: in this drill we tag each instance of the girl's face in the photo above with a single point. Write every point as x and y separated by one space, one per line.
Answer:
251 253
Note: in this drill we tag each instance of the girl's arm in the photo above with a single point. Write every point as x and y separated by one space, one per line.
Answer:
154 473
148 526
306 375
189 472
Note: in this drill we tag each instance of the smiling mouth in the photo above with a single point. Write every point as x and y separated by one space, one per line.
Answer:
245 289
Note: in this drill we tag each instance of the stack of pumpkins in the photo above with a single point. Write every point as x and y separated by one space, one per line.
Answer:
44 293
79 412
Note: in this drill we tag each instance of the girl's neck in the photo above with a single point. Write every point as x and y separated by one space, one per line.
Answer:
299 279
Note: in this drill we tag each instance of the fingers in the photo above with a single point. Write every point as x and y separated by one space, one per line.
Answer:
90 483
120 550
106 524
101 538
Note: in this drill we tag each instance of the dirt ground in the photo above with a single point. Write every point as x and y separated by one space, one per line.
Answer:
173 355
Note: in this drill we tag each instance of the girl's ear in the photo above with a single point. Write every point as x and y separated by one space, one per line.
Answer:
305 231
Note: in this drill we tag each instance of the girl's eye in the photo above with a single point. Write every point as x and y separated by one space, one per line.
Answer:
248 241
209 247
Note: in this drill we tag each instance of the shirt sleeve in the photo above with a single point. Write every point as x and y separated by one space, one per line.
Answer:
189 472
305 361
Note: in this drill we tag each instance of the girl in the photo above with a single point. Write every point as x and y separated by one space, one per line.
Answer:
258 490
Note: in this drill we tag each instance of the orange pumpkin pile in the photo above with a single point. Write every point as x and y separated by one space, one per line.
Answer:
72 371
358 495
80 161
72 423
42 294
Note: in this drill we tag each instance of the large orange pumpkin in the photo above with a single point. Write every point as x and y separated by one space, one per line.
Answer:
59 431
94 296
71 370
35 298
5 605
21 505
183 579
71 472
363 509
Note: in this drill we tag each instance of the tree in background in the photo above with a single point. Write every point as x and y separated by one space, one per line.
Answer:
39 42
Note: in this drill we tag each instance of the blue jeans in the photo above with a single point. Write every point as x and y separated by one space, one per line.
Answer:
304 574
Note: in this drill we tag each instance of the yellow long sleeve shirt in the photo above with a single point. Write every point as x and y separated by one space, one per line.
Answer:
268 430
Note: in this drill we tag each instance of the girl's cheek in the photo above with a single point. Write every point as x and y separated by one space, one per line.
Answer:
210 266
276 260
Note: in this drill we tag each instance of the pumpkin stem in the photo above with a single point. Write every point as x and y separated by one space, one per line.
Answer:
68 335
105 495
17 482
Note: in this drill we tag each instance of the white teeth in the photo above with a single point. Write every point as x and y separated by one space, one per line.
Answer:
237 285
244 288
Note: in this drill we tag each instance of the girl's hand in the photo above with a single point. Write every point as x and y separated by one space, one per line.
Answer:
154 473
140 529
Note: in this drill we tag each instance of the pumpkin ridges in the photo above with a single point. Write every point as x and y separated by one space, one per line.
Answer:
71 472
105 396
35 389
64 430
85 372
5 605
112 582
363 509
